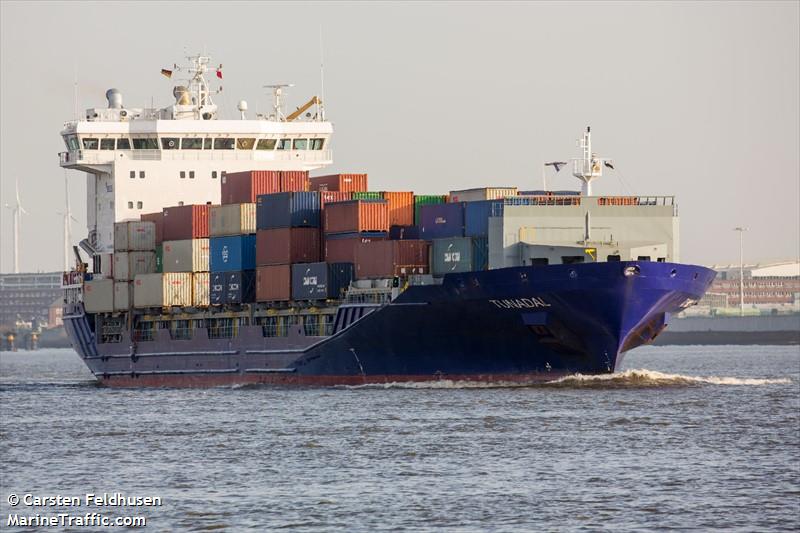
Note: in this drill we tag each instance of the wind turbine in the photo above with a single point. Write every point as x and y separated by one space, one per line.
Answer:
16 214
68 218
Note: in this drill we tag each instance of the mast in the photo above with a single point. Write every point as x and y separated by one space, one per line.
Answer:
588 167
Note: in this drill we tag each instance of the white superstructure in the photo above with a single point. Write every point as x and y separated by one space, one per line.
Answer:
142 160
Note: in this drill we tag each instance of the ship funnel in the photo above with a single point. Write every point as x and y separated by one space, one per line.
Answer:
114 98
181 95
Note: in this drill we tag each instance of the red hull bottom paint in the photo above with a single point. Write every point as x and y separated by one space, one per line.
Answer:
222 380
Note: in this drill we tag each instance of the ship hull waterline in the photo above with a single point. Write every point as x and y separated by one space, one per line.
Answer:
511 325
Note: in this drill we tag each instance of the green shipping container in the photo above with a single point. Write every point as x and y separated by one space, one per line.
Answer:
160 258
367 196
426 199
460 254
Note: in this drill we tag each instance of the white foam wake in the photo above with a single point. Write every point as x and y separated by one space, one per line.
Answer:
635 378
653 378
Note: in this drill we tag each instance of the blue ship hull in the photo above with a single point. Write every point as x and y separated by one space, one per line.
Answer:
512 324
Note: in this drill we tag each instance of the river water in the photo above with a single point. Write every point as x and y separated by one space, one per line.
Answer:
690 437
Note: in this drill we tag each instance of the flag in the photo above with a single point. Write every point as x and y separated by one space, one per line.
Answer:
556 164
219 73
608 164
167 73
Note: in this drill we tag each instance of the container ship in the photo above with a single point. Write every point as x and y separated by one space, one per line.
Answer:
214 258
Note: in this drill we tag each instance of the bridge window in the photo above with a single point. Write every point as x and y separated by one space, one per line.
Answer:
223 143
284 144
183 174
539 261
123 144
106 144
207 144
300 144
191 174
130 205
571 259
213 174
643 258
145 143
169 143
245 143
90 144
133 174
189 143
138 205
265 144
316 144
72 143
613 258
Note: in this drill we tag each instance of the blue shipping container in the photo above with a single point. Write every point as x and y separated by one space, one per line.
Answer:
405 233
476 216
287 210
439 221
240 287
232 253
217 288
319 281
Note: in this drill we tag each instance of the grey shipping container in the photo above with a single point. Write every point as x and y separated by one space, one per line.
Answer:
320 281
188 255
136 235
163 290
123 295
232 219
128 264
98 296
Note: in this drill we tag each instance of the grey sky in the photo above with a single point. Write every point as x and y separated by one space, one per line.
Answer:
696 100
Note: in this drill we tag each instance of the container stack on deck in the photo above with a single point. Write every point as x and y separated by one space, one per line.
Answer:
282 236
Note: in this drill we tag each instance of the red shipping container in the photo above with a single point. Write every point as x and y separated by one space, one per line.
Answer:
185 222
158 220
401 207
287 245
385 259
344 250
244 187
340 182
273 283
356 216
293 181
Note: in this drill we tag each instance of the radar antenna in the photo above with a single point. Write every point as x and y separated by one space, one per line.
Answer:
277 105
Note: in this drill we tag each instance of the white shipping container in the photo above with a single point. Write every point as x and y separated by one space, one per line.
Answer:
137 235
190 255
98 295
123 295
484 193
163 290
106 265
200 289
128 264
232 219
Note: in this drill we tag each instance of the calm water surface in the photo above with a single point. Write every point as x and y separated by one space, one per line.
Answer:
687 438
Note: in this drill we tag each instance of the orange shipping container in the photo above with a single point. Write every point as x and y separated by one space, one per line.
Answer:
401 207
356 216
186 222
244 187
340 182
273 283
294 180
